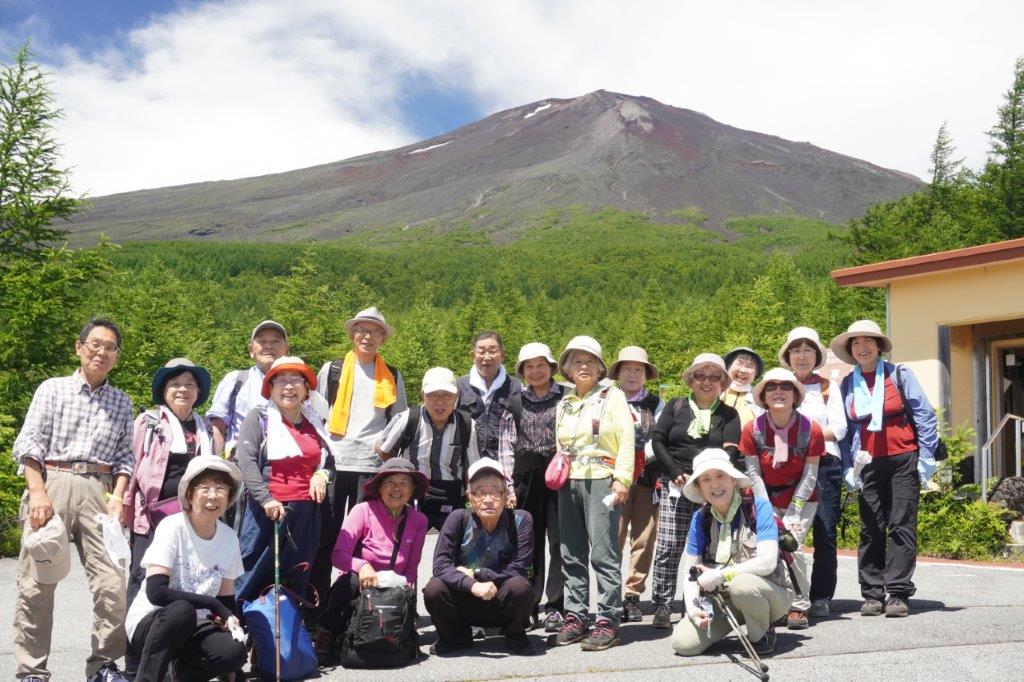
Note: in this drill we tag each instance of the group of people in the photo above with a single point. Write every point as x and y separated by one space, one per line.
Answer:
531 483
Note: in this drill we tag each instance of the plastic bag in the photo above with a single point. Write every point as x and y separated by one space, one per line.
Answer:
387 579
114 540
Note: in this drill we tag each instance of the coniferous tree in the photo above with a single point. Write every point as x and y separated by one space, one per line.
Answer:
1003 176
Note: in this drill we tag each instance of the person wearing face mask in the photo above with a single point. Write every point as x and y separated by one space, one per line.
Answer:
484 393
639 520
686 426
744 366
823 404
782 448
526 444
165 440
283 455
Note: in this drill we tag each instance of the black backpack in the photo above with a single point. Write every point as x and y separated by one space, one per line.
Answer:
382 630
334 378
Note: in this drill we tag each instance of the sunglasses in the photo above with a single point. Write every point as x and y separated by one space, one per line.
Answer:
779 386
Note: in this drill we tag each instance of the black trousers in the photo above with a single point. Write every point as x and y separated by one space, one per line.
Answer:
343 493
136 577
454 612
170 634
337 605
826 520
887 554
533 495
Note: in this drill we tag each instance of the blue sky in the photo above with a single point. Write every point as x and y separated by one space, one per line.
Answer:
160 93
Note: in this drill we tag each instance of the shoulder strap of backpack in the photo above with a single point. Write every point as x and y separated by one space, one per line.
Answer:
463 430
515 406
389 410
333 378
705 519
412 425
602 402
825 385
747 505
758 432
398 541
907 412
803 434
152 419
677 406
240 379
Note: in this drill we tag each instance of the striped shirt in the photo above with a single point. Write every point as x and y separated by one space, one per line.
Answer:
68 421
436 454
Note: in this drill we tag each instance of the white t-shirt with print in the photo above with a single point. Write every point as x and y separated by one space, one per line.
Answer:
196 565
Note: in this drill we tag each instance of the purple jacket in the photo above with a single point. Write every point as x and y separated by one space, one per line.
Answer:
370 524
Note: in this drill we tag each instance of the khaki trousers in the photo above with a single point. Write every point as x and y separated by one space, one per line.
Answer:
753 600
78 498
640 521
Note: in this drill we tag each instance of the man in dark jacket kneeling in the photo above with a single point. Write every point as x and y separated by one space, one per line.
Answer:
481 561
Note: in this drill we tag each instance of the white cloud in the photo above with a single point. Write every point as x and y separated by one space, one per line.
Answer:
250 87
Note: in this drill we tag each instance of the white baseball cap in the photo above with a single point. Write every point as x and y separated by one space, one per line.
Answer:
47 549
486 465
439 379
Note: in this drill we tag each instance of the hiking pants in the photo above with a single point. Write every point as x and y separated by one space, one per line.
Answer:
200 652
639 522
343 493
299 535
534 496
674 514
453 612
887 554
830 485
589 534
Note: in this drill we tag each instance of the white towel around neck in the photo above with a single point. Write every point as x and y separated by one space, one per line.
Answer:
178 443
280 442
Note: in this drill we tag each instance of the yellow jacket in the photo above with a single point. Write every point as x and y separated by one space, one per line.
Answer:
613 453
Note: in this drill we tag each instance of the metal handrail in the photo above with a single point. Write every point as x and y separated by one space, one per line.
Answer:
986 451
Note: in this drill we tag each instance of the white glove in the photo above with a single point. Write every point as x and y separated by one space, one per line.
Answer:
850 480
793 522
711 579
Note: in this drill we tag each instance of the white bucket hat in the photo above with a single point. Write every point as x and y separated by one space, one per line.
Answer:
439 379
705 359
779 375
802 334
859 328
587 344
371 315
535 350
712 458
47 549
633 354
201 463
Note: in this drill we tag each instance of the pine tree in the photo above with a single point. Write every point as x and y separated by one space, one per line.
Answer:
947 172
34 191
1004 172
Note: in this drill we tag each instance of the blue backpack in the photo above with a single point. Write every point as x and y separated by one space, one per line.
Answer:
298 659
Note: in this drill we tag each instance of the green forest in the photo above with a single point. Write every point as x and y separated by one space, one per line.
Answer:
677 289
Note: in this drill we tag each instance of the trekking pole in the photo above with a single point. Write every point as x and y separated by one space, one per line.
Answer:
277 599
719 601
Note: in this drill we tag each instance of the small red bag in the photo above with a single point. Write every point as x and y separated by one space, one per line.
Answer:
557 472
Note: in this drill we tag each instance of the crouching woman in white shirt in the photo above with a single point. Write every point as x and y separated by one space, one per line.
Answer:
737 552
186 614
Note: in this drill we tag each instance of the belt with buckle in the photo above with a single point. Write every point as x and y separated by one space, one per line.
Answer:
80 467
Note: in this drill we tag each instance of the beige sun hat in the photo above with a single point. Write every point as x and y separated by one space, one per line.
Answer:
535 350
587 344
779 375
711 458
371 315
202 463
802 334
48 551
859 328
705 359
633 354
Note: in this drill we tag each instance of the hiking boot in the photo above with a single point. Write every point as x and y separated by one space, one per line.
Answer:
871 607
323 644
553 622
896 607
603 636
796 620
108 673
662 617
631 612
766 644
573 630
444 648
479 632
519 645
819 608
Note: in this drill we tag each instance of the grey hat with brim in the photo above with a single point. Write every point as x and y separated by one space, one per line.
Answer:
711 458
396 465
179 366
202 463
745 350
373 316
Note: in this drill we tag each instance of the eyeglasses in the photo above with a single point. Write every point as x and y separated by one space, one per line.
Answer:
713 378
367 331
586 362
288 381
779 386
187 385
218 490
97 346
484 494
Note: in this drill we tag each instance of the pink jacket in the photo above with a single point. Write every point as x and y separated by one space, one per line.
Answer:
370 522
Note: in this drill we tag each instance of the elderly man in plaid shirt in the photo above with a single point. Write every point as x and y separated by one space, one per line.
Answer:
75 453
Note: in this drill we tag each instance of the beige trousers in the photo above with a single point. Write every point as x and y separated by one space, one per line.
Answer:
640 520
755 601
78 499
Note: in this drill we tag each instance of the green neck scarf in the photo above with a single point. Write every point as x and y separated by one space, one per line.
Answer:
723 553
701 423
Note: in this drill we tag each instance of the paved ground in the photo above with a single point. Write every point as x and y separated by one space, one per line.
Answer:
968 624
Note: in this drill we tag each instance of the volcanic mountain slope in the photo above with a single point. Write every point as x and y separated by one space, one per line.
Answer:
600 149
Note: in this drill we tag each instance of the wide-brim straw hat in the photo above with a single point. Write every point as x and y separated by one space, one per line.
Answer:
201 463
779 375
711 458
531 351
707 360
802 334
371 315
397 465
288 363
859 328
633 354
180 366
745 350
587 344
